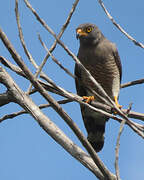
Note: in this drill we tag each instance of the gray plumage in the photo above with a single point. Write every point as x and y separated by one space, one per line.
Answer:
100 57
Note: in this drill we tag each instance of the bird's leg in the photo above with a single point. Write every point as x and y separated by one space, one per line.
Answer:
116 102
88 99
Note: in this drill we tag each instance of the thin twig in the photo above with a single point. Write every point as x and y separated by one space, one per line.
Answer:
54 59
132 83
13 115
22 37
23 42
118 144
11 66
61 31
18 70
119 27
59 36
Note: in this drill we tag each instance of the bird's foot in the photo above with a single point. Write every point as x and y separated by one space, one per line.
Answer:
88 99
116 102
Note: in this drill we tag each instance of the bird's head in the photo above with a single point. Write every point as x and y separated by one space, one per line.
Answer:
88 34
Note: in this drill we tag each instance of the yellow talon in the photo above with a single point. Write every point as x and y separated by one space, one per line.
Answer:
116 102
88 98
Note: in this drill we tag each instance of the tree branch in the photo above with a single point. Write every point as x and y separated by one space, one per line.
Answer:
119 27
25 102
118 144
22 37
18 70
39 69
13 115
54 59
132 83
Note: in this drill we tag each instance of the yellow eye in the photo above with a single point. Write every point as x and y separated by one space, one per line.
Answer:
89 29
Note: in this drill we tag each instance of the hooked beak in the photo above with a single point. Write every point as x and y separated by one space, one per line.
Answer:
79 33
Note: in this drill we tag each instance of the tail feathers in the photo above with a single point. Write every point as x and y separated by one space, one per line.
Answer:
97 140
96 129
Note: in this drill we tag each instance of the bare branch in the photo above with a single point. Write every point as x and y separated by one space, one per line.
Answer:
59 36
54 59
13 115
18 70
24 101
11 66
119 27
136 115
132 83
118 144
24 45
22 37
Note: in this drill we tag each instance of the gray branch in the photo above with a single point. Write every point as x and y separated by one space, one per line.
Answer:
119 27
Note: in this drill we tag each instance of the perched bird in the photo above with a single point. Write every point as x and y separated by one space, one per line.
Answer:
100 57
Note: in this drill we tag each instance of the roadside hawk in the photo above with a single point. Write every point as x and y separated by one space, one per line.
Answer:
100 57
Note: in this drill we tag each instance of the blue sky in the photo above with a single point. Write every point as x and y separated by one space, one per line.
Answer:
26 151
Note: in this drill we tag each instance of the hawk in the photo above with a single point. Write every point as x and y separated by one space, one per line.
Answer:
100 57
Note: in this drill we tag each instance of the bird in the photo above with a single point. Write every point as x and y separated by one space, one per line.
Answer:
100 57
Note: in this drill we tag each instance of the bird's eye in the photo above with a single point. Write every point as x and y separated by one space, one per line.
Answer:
89 29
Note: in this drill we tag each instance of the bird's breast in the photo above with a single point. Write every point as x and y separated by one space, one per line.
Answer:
103 69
